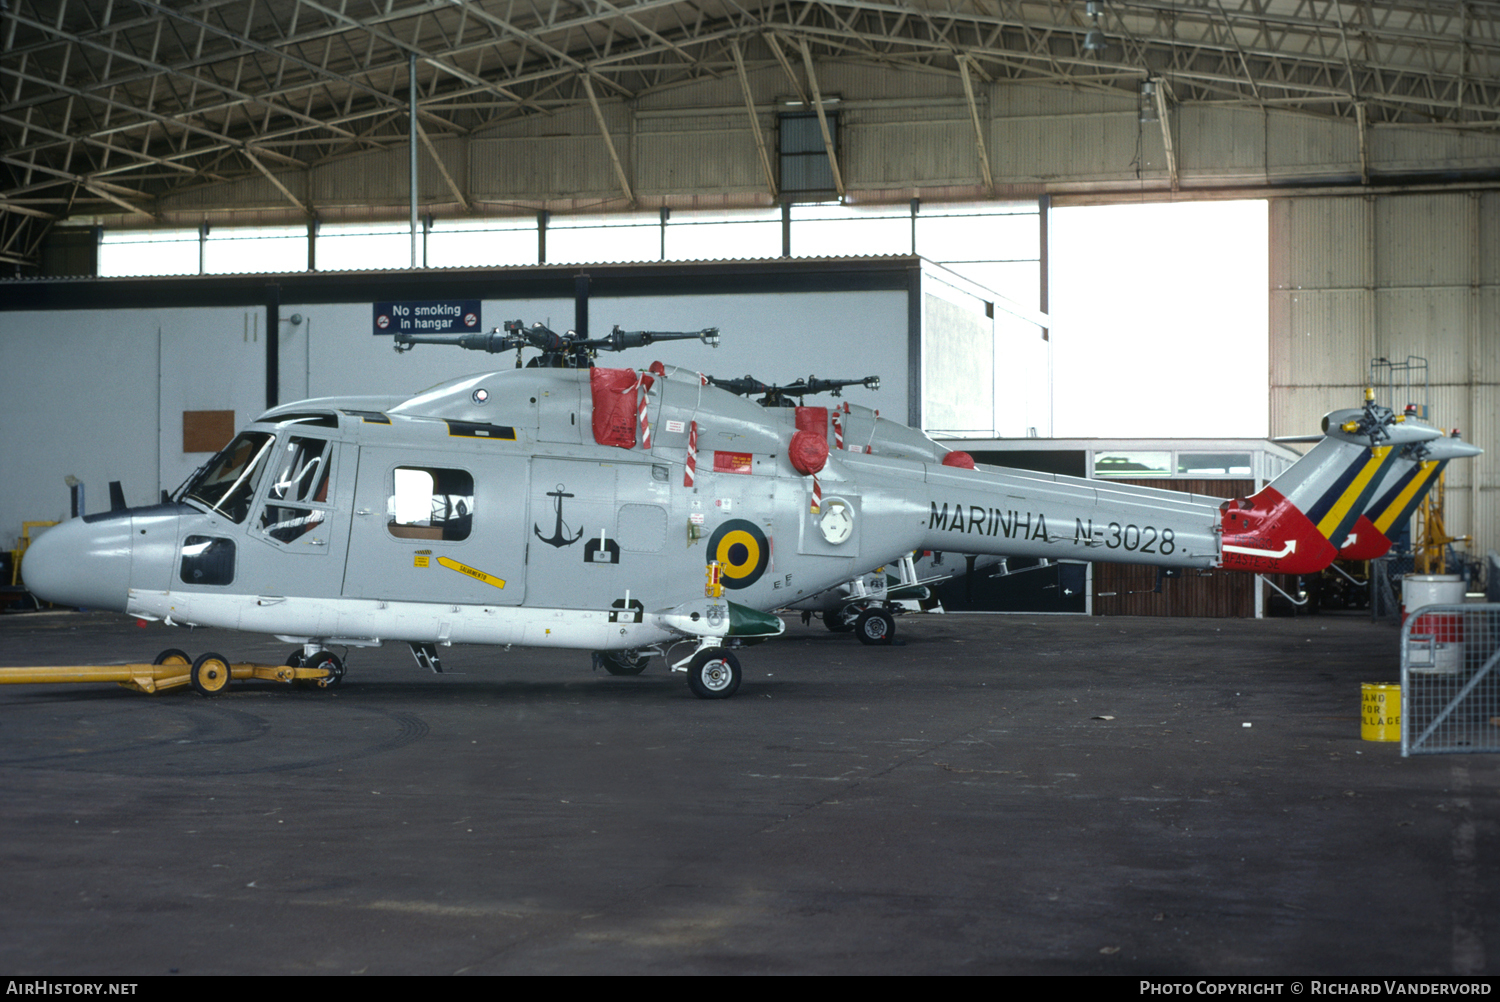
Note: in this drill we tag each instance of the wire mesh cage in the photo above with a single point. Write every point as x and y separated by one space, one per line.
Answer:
1450 682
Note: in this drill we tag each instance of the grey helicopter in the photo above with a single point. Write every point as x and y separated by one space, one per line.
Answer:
626 512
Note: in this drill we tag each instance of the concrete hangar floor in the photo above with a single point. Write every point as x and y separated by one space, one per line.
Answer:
962 803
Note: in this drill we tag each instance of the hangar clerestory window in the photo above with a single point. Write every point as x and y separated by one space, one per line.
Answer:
806 174
431 503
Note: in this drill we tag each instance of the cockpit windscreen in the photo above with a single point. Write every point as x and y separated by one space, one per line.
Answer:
227 484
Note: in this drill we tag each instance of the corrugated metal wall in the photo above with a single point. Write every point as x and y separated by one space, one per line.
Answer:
901 133
1392 276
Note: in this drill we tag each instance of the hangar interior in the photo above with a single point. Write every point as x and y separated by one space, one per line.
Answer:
1370 129
1186 798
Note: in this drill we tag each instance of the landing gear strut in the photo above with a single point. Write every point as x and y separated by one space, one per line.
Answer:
630 662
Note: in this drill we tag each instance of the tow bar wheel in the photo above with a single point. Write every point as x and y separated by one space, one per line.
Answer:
209 674
714 674
172 656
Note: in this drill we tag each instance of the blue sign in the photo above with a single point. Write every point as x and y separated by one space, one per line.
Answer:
428 316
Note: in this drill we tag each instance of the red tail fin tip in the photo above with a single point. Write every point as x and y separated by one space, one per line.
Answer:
1270 535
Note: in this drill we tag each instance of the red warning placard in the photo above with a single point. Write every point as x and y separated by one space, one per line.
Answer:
732 462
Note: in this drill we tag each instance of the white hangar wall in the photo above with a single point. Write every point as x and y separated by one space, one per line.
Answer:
1391 276
99 394
768 335
96 384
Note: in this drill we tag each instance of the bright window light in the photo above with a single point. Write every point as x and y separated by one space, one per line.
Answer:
996 245
720 236
255 250
364 246
128 253
1160 320
839 231
602 239
481 243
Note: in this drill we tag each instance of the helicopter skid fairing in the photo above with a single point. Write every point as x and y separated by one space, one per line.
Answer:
369 623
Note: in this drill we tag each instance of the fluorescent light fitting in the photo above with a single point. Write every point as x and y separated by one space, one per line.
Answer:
1094 41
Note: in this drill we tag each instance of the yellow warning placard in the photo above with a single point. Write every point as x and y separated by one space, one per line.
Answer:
472 572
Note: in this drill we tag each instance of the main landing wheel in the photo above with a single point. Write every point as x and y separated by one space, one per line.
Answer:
172 656
875 626
714 674
624 662
330 661
209 675
296 659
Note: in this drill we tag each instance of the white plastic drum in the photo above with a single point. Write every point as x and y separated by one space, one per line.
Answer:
1444 630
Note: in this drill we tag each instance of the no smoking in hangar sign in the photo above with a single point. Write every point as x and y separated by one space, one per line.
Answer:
428 316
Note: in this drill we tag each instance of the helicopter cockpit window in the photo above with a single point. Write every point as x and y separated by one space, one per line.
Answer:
431 503
227 484
297 498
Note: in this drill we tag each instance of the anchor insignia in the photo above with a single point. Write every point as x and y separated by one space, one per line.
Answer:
558 537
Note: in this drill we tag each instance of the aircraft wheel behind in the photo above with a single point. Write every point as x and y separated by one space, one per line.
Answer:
624 662
875 626
837 622
296 660
330 661
209 675
714 674
172 656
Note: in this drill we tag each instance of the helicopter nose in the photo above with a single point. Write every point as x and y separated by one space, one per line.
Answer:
81 563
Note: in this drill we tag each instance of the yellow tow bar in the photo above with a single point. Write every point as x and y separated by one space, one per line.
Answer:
209 674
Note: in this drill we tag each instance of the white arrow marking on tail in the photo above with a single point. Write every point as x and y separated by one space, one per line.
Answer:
1249 551
1353 538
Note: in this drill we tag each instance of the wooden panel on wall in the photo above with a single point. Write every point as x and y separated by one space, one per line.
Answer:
206 431
1131 589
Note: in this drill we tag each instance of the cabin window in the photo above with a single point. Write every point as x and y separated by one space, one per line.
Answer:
301 471
226 484
431 503
207 560
299 480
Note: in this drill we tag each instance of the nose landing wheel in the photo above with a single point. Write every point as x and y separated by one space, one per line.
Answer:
714 674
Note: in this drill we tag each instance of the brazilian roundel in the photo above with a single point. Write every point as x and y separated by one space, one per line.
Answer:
742 550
